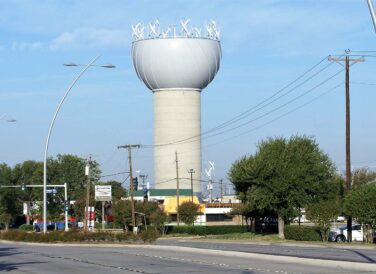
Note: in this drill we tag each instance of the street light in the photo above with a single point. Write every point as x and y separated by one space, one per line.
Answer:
372 12
86 66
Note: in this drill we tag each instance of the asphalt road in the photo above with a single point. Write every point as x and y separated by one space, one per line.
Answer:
341 253
21 258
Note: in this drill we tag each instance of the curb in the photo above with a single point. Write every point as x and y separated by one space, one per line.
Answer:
290 244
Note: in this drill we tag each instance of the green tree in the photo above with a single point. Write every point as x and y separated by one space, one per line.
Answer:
363 176
282 176
158 220
323 213
360 203
70 169
28 173
5 219
9 197
188 211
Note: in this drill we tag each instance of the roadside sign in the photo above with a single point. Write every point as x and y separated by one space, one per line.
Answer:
103 193
51 191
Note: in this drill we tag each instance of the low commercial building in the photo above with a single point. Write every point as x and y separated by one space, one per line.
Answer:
217 213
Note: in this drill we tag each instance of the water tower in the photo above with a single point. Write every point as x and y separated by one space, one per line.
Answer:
176 64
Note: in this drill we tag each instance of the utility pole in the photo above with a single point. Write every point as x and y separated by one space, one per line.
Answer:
87 173
221 184
129 147
347 61
191 171
177 188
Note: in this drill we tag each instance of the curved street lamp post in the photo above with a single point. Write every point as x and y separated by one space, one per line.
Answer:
91 64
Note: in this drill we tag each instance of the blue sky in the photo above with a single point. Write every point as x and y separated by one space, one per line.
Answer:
266 44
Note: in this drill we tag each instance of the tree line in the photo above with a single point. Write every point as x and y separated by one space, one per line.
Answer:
70 169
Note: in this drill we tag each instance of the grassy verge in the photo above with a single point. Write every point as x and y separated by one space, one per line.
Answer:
245 236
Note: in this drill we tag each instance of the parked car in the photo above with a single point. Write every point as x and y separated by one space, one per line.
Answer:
340 219
340 234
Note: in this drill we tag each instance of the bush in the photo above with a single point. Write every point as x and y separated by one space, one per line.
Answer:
107 226
78 236
26 227
302 233
205 230
148 236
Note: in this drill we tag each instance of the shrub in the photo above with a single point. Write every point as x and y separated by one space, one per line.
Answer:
205 230
148 236
26 227
188 211
78 236
107 226
302 233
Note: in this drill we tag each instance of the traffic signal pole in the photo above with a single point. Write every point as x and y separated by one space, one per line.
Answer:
23 187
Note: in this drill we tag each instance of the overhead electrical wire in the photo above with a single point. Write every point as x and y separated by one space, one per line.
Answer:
255 108
269 112
279 117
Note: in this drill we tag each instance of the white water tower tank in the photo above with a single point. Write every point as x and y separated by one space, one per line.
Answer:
176 64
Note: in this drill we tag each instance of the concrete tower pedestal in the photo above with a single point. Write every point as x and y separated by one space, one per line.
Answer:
177 116
176 67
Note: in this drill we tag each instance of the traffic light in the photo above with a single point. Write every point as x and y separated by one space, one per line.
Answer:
23 186
135 183
145 192
66 205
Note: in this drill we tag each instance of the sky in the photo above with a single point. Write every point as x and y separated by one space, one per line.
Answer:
266 44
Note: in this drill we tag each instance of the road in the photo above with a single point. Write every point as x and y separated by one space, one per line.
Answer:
24 258
339 252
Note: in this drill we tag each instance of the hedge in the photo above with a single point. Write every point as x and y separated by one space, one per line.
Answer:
26 227
77 236
206 230
107 226
302 233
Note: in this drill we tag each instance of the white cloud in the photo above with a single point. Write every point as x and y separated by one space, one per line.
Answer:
81 38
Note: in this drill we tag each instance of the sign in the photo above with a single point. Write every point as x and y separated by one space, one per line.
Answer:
51 191
90 217
103 193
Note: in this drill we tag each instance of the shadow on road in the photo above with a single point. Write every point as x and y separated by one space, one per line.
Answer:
9 266
369 259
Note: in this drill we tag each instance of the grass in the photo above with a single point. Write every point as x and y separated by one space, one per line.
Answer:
245 236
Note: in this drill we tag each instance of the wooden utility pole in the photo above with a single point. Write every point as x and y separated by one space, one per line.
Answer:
347 61
177 188
87 173
129 147
191 171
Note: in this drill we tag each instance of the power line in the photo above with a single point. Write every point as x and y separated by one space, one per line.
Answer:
362 83
273 120
279 117
257 106
114 174
273 110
